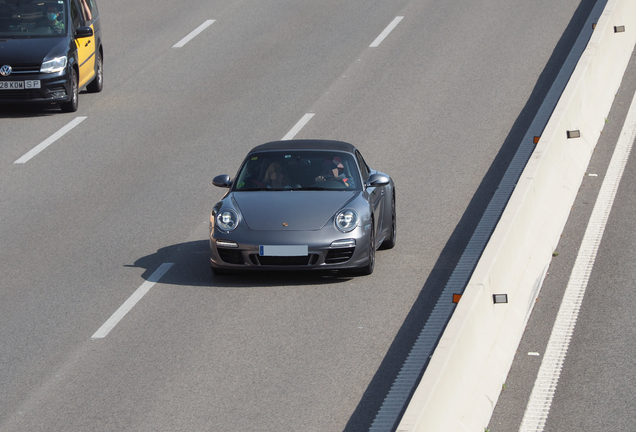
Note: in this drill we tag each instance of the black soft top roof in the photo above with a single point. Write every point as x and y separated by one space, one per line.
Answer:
305 144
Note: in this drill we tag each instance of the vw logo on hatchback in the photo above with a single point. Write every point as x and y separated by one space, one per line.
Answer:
5 70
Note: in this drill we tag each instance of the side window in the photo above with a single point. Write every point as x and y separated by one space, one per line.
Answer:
89 11
364 169
93 6
75 15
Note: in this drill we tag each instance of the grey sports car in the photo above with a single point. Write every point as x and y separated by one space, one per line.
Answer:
302 205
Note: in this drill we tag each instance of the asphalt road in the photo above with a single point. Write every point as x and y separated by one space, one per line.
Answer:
440 105
595 390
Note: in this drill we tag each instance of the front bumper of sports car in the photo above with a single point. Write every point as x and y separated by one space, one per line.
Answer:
327 249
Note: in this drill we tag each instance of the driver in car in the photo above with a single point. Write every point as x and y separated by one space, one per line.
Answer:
52 15
333 169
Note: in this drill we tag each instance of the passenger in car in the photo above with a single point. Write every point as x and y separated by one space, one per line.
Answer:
275 178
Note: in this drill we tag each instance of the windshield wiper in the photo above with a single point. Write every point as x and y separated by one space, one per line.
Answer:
315 188
261 189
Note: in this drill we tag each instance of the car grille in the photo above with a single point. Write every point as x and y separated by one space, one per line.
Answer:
337 256
334 256
284 261
231 256
26 68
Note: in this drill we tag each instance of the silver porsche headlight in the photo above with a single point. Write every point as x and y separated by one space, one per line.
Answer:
346 220
227 220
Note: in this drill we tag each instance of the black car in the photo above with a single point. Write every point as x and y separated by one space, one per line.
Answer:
49 51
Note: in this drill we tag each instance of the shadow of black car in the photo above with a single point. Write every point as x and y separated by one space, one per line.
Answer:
34 110
28 111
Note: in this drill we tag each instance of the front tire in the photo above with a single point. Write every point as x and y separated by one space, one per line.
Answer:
368 269
97 84
389 243
72 105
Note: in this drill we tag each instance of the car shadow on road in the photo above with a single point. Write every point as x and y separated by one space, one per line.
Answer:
29 111
369 405
192 268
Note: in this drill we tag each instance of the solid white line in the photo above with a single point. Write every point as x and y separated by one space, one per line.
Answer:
301 124
132 301
386 32
538 408
47 142
193 34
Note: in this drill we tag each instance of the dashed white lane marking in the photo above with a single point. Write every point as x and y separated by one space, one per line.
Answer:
386 32
538 408
301 124
50 140
132 301
193 34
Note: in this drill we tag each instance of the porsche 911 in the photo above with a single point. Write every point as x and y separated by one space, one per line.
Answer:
302 205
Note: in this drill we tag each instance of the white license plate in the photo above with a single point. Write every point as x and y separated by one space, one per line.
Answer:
19 85
281 250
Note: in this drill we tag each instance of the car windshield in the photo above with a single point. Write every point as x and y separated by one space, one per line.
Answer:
32 18
298 170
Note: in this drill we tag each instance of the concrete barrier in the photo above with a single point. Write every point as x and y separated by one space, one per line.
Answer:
464 378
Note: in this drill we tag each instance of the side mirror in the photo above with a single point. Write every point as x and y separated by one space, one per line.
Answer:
222 181
378 180
83 32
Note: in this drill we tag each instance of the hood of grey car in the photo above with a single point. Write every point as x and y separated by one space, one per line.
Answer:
300 210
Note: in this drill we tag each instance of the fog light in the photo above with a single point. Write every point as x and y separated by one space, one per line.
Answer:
500 298
345 243
226 243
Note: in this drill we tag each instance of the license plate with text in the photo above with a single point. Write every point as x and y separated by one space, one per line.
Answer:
19 85
284 250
